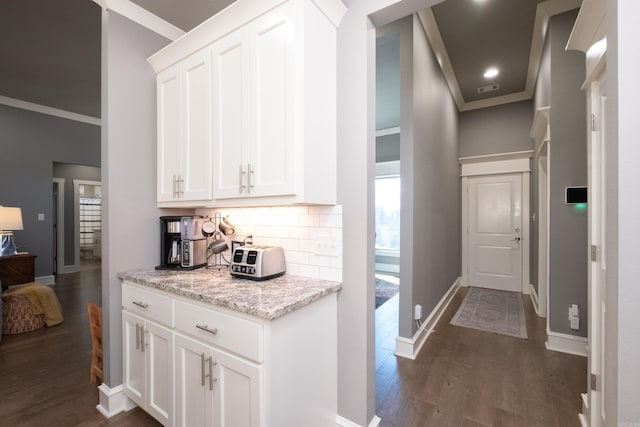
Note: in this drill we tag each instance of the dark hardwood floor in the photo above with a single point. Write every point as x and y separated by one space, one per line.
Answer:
464 377
44 374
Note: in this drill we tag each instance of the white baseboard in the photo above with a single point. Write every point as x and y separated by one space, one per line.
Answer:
46 280
410 347
343 422
534 298
113 401
70 269
584 415
583 420
566 343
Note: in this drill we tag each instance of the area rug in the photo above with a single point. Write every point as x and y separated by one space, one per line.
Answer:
494 311
384 291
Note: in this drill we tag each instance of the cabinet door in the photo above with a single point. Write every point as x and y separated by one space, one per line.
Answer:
194 397
158 347
195 176
238 385
169 133
272 70
133 358
230 115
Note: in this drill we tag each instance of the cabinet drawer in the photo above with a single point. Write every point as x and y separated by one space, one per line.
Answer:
237 335
147 304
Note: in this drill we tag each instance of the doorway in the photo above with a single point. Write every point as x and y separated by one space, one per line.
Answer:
495 232
495 221
75 249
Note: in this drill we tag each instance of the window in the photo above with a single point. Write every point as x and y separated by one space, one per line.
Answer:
388 213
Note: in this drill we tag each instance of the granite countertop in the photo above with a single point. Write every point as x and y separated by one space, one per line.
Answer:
267 299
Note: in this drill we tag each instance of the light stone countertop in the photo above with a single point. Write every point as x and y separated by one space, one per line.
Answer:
267 299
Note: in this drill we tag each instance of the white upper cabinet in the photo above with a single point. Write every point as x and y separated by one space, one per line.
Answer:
253 108
272 113
184 130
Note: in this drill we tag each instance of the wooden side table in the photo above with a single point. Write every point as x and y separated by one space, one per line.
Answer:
16 269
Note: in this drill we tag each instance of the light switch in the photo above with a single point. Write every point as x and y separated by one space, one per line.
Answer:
40 217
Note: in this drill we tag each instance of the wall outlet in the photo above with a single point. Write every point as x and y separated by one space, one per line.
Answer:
40 217
574 317
327 246
417 312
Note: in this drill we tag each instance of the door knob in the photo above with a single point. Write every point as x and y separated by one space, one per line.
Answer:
517 239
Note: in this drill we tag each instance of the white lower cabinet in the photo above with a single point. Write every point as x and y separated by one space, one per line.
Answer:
214 388
192 364
148 366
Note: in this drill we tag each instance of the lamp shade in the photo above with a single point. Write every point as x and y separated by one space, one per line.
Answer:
10 219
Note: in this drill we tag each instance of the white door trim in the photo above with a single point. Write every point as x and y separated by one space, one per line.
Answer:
540 132
76 222
60 227
496 164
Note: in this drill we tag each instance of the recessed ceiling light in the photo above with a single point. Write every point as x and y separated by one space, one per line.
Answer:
491 72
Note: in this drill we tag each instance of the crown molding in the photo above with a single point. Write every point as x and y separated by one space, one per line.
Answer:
142 17
589 27
544 11
430 27
43 109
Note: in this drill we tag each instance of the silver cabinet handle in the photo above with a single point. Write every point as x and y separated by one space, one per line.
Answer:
142 339
206 328
202 360
137 336
180 186
140 304
211 378
174 186
241 185
249 173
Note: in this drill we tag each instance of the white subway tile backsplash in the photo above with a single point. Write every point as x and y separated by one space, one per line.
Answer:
299 232
296 229
309 220
297 257
310 271
329 220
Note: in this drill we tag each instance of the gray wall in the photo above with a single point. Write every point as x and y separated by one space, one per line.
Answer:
128 169
500 129
388 80
388 148
568 167
69 173
430 227
31 143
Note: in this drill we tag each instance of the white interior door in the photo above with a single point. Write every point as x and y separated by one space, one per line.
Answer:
597 268
495 232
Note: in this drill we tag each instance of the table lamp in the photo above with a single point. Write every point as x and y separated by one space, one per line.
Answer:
10 220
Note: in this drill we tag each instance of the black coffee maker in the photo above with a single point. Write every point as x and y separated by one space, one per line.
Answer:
170 242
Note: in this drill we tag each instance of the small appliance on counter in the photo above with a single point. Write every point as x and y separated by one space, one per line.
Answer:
182 243
258 262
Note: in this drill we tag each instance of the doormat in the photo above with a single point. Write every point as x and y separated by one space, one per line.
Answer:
489 310
384 291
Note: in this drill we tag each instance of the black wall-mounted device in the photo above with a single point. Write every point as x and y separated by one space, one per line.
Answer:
574 195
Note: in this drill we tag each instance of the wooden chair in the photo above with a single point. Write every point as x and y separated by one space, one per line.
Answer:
95 328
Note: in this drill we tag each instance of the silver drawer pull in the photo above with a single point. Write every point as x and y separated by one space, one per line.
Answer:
211 378
206 328
140 304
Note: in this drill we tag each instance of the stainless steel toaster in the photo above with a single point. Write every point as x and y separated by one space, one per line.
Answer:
258 262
